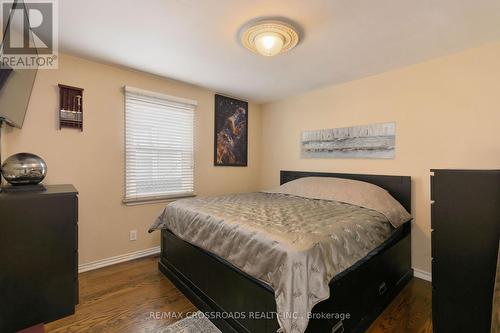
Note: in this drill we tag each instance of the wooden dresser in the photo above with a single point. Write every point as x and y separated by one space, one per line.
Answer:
38 256
465 234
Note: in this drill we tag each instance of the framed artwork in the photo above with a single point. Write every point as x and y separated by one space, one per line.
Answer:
369 141
231 132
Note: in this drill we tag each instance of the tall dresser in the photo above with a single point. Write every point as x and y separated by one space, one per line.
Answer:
38 256
465 234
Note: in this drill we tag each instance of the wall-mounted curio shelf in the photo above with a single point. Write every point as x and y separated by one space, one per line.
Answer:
70 107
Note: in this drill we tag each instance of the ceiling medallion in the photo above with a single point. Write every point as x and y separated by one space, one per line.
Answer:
269 37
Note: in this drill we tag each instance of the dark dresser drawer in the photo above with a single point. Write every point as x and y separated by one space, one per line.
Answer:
466 229
39 274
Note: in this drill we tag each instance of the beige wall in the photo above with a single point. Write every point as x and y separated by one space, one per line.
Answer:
447 113
93 160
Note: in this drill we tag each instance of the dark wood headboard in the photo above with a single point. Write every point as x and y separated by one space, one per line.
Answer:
398 186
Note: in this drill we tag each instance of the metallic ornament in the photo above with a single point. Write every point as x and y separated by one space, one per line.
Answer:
24 169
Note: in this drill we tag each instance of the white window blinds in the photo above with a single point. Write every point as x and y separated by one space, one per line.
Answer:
158 146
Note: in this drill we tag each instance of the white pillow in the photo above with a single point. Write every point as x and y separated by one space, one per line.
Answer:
350 191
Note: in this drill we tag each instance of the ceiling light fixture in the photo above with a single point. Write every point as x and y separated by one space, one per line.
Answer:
269 37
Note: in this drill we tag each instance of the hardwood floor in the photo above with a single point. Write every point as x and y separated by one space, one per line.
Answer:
409 312
123 298
120 298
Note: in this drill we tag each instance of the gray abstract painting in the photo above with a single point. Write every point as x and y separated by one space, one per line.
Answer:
370 141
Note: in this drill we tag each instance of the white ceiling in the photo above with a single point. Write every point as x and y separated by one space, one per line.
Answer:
196 40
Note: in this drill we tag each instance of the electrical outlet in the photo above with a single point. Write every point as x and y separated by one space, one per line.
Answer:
133 235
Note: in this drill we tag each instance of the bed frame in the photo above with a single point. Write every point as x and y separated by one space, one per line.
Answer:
237 302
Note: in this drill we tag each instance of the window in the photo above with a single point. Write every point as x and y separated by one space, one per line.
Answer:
158 146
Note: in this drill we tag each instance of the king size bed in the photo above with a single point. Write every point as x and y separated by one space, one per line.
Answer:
324 252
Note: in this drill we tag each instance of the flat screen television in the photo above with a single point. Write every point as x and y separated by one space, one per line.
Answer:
15 84
4 74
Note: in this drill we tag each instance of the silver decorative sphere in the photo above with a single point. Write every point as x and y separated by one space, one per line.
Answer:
24 169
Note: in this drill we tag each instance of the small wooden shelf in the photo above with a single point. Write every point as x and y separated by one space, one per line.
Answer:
70 107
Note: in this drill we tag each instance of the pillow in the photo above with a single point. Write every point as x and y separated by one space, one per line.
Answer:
350 191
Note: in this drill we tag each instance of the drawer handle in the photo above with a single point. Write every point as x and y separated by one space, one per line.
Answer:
338 327
382 288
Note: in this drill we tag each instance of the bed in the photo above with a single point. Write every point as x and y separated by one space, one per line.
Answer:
236 301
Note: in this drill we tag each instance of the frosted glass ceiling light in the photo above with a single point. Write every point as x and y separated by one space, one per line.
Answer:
269 37
269 43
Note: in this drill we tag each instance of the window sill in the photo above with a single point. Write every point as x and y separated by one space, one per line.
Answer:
155 200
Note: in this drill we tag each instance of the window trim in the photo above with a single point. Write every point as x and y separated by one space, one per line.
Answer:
147 93
155 198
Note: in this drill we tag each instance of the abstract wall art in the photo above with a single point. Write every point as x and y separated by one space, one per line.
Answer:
231 132
369 141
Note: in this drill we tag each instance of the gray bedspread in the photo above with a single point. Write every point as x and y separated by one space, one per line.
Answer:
294 244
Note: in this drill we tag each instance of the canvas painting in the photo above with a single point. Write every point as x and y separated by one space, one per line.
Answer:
370 141
231 131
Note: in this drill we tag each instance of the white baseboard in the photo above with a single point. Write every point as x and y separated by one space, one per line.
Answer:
422 274
117 259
